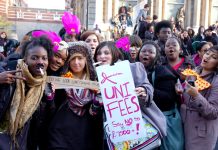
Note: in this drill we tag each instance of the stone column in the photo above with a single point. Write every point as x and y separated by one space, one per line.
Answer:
99 11
108 11
158 8
196 14
205 13
116 7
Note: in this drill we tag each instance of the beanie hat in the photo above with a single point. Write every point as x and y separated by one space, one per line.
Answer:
82 48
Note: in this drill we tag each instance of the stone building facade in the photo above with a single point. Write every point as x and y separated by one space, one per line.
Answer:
197 12
24 19
91 12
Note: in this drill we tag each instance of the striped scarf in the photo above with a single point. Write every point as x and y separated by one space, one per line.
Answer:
78 99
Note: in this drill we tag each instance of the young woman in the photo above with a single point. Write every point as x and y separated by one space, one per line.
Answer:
72 126
201 48
174 55
3 41
200 108
108 54
38 134
163 79
20 99
92 39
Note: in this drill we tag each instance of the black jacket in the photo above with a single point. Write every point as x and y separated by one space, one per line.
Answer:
6 90
164 79
6 95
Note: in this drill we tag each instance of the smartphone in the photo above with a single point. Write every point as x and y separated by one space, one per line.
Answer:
191 82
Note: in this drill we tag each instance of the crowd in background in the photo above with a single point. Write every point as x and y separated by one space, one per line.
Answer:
33 115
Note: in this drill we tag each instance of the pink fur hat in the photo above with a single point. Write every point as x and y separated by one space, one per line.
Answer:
55 39
71 23
123 43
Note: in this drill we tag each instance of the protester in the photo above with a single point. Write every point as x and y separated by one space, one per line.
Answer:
200 35
72 125
184 38
202 48
149 33
3 41
163 30
92 39
143 13
155 20
174 57
108 54
164 78
135 45
20 99
38 134
200 108
97 29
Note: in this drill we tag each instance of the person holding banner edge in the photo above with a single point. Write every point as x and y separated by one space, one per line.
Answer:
77 124
108 54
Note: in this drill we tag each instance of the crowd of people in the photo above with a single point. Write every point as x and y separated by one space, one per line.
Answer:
36 116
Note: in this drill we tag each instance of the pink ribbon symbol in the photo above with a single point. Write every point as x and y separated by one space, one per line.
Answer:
105 78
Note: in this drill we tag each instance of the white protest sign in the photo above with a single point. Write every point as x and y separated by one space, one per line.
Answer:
124 119
63 83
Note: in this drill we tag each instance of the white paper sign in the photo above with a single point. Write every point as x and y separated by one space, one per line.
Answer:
124 119
63 83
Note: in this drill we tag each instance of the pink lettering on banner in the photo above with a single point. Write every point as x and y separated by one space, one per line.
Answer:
129 121
125 104
121 103
126 110
137 128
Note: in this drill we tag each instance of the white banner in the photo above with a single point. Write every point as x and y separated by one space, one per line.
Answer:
124 119
63 82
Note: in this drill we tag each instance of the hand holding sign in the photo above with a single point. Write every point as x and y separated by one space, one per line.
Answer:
124 119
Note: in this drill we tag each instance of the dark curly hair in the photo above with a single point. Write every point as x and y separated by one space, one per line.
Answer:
162 24
34 42
157 59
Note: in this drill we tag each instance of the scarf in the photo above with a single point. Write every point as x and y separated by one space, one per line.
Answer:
79 98
24 103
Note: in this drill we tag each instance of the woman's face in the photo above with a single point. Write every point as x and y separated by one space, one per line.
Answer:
37 60
78 63
202 30
70 37
123 10
3 35
104 55
185 34
147 54
210 60
58 59
172 49
92 40
134 52
203 50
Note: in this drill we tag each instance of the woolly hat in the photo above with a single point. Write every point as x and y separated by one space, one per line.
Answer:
82 48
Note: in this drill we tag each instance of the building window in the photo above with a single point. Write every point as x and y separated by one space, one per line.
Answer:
38 15
172 8
20 14
214 12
